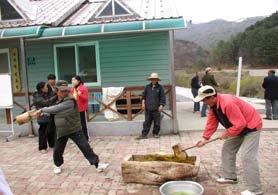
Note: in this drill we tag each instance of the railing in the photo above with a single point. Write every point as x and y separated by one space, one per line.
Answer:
128 96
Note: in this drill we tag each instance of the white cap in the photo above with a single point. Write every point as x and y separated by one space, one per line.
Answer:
204 92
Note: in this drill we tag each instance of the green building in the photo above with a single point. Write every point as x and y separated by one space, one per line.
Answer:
110 43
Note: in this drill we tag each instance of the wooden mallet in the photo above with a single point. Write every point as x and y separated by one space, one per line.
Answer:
181 153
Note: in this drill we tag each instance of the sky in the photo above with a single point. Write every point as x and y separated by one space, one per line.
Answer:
200 11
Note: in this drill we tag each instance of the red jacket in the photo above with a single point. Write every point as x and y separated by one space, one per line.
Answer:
240 114
82 97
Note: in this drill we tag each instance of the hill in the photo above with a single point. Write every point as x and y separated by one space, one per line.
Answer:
258 45
208 34
188 54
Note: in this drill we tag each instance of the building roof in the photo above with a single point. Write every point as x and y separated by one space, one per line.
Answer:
56 13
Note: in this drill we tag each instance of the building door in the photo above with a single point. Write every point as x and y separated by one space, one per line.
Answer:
4 61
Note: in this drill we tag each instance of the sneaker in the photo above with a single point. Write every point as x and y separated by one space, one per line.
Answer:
156 136
43 151
226 180
57 170
102 166
247 192
141 137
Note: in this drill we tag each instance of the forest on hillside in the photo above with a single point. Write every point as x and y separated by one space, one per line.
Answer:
255 39
258 45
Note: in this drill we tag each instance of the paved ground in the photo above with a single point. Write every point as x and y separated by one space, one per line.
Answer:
29 172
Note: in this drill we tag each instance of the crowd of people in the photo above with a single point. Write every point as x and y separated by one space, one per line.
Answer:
61 115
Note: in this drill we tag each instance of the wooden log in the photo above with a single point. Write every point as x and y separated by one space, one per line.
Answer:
155 172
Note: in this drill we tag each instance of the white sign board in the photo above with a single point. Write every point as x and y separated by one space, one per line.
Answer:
6 93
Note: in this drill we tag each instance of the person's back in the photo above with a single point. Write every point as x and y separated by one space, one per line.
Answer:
270 85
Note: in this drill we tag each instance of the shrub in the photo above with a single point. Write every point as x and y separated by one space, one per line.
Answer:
249 87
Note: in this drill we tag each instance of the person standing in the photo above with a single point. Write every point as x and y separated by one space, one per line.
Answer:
42 99
208 79
195 85
243 127
51 81
67 120
270 84
80 93
51 129
153 103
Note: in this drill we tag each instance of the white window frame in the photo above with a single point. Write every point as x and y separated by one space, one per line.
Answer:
9 62
76 45
113 9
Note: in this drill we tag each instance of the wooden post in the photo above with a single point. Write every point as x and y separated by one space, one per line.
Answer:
8 116
25 81
173 84
129 107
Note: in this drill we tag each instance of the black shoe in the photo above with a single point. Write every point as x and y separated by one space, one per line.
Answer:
141 137
267 118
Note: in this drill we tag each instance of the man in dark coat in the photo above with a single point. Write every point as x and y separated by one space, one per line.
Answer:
195 85
153 103
270 84
208 79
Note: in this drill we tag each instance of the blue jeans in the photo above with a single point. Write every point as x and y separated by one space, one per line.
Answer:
204 110
196 106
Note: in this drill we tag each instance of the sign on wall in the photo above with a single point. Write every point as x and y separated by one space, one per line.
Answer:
15 70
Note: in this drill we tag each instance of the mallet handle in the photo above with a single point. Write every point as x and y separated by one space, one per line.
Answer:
212 140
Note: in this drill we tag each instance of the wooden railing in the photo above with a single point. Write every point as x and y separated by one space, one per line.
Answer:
128 96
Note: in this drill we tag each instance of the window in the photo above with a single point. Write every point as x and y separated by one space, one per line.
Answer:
4 61
113 8
7 12
78 59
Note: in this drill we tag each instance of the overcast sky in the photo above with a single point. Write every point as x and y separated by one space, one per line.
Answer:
206 10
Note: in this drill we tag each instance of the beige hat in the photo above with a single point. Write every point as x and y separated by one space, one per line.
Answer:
154 76
208 69
204 92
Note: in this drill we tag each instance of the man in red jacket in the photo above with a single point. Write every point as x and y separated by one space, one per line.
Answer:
242 123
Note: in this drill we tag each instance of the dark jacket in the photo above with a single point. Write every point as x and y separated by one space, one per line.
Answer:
270 85
51 92
208 79
67 117
195 82
154 97
41 100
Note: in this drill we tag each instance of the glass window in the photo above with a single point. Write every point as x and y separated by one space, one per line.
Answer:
107 10
87 63
77 59
4 63
119 10
8 12
66 63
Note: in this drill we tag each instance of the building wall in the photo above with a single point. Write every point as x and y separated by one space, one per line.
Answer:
125 60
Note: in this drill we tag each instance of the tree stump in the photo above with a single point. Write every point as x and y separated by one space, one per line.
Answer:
156 169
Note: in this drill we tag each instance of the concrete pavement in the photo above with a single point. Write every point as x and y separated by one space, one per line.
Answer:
29 172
